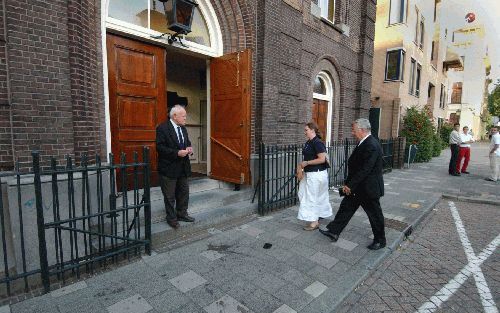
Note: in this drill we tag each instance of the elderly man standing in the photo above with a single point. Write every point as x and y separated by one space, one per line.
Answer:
454 147
464 152
494 154
363 187
174 148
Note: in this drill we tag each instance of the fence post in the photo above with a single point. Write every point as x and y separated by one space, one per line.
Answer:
147 199
346 157
42 244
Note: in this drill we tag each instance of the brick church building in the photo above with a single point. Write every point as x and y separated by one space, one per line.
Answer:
92 76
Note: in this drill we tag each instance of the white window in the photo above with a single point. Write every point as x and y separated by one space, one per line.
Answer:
327 9
394 64
398 12
415 77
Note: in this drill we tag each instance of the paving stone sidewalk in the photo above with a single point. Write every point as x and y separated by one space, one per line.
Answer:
230 271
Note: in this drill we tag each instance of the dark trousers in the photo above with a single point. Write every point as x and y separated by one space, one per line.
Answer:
464 153
348 207
452 168
175 196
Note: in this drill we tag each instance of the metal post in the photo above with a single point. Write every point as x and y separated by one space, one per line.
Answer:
346 157
147 199
42 245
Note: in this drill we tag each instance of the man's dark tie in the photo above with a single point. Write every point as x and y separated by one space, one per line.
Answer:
181 139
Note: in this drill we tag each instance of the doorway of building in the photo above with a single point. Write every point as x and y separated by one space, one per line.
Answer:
187 85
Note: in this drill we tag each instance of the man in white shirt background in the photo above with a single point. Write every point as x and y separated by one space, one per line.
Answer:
494 154
455 148
464 152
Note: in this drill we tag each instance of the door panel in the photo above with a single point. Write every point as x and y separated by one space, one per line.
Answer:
230 79
136 98
320 115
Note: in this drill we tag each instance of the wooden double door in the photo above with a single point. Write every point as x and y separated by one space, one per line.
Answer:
137 103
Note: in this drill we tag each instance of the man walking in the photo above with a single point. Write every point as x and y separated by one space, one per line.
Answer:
494 154
363 187
174 148
464 152
454 147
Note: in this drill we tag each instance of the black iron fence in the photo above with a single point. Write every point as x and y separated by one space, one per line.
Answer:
61 221
277 185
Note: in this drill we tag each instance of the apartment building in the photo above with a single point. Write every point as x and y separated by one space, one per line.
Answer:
409 61
468 83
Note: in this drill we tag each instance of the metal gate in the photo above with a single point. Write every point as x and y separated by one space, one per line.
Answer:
80 225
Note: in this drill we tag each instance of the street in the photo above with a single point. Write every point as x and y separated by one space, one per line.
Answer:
433 272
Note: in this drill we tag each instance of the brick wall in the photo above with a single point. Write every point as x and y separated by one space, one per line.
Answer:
54 77
5 133
84 43
295 43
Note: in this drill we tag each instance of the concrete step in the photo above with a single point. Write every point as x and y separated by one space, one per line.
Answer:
205 219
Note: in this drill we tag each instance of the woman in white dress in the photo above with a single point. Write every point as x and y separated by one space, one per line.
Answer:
313 187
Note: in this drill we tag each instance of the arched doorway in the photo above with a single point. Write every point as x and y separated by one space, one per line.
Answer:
146 76
322 104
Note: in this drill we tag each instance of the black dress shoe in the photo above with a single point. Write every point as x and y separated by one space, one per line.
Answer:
333 237
376 246
174 224
465 172
455 174
186 218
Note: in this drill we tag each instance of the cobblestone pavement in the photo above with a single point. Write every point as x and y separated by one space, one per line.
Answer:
227 269
431 260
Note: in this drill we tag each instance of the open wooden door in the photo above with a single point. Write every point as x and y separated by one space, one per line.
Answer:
136 98
230 81
320 115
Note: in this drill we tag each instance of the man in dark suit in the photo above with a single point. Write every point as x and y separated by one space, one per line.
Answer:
174 148
363 187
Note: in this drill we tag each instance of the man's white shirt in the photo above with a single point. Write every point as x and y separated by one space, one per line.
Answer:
495 140
465 138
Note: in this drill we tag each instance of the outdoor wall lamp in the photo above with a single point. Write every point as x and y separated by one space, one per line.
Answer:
179 16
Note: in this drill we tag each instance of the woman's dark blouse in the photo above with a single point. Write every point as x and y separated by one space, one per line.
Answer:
310 152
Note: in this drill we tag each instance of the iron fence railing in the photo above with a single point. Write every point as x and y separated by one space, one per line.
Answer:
277 184
61 220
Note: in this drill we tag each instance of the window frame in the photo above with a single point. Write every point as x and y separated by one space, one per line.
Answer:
401 53
402 16
418 78
328 2
413 67
422 33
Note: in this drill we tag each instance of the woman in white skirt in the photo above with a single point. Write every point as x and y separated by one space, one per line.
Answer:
313 187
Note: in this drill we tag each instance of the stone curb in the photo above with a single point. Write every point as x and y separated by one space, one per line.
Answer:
390 249
471 199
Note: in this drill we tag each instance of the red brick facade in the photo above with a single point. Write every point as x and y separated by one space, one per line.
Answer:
54 68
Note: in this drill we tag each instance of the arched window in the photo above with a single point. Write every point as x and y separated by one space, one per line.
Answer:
145 18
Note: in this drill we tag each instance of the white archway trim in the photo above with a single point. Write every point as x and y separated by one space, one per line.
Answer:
215 50
329 98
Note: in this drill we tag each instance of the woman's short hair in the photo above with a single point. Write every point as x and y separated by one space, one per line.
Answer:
176 109
314 126
363 123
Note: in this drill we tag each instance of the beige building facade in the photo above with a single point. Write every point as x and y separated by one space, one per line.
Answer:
409 68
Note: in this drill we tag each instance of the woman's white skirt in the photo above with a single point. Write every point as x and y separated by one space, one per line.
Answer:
313 196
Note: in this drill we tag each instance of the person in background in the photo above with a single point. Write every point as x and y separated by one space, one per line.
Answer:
494 154
464 152
454 147
312 172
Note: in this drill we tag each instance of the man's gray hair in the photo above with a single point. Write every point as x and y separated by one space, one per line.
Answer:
363 123
176 109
